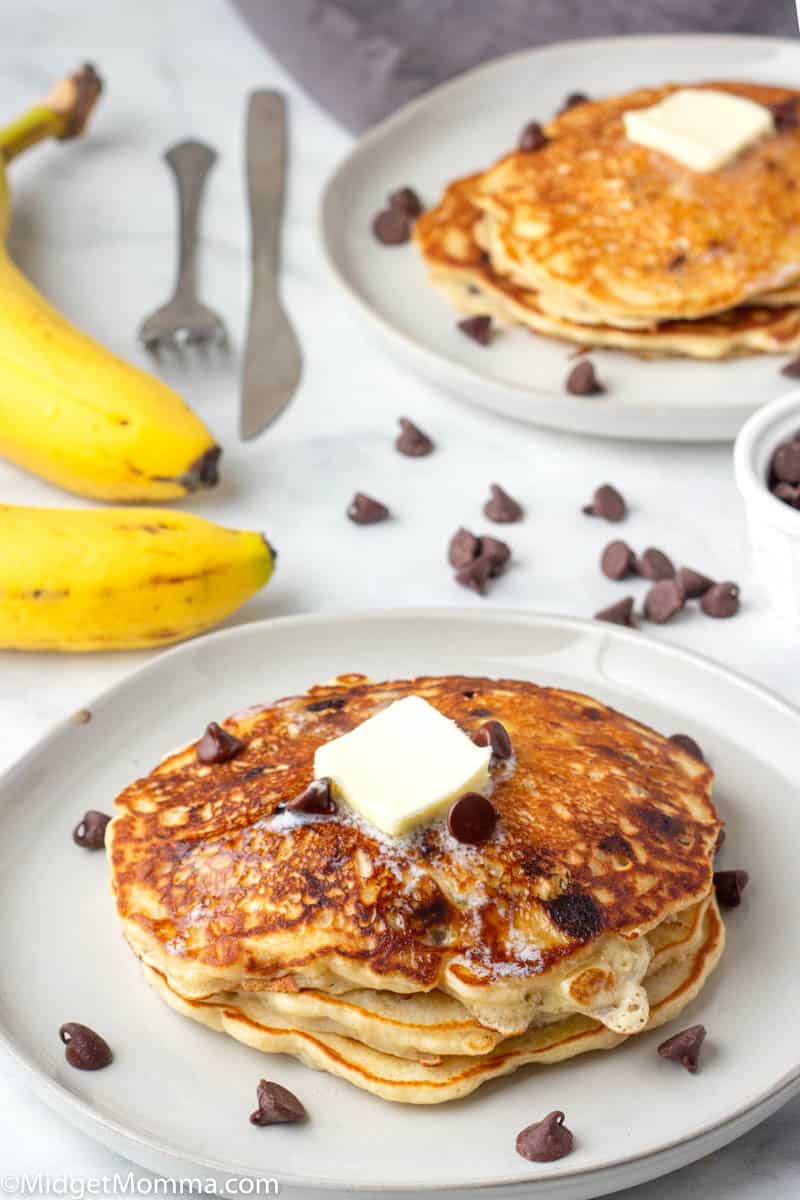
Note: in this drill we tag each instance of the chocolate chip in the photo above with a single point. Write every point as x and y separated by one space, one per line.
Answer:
684 1047
502 508
321 705
617 560
546 1140
664 600
792 369
472 819
90 833
363 510
675 263
784 114
85 1049
788 493
572 101
654 564
729 886
498 553
576 913
217 745
478 328
463 549
607 503
316 798
532 137
619 613
582 380
786 463
721 600
688 744
407 202
411 441
693 583
391 227
476 574
276 1105
494 734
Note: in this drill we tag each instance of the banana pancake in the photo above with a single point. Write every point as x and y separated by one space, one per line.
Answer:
609 231
606 831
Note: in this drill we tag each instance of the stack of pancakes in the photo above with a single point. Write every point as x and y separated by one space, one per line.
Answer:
417 967
595 239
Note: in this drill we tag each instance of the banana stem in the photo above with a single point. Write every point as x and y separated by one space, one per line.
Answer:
63 114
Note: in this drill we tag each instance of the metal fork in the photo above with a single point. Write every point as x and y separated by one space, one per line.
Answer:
183 320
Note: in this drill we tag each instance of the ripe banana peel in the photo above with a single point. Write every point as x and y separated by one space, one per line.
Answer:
70 410
120 578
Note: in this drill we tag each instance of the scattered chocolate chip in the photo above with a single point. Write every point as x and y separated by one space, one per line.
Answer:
582 380
721 600
792 369
684 1047
729 886
502 508
654 564
411 441
476 574
787 492
494 734
784 114
688 744
391 227
693 583
498 553
546 1140
276 1105
90 833
217 745
572 101
463 549
363 510
478 328
321 705
479 712
617 560
85 1049
407 202
676 262
472 819
619 613
607 503
532 137
664 600
316 798
576 913
786 463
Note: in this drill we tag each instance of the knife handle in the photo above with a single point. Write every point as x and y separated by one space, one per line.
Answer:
266 173
190 163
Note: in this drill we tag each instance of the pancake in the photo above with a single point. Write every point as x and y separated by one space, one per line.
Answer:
606 830
670 990
457 264
610 232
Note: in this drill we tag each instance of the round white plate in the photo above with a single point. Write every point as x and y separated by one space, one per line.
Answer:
464 126
177 1097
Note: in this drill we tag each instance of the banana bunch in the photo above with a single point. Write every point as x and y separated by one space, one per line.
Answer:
70 410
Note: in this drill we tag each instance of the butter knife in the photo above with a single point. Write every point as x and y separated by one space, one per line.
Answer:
272 361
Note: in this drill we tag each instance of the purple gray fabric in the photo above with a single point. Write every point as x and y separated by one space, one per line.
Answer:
362 59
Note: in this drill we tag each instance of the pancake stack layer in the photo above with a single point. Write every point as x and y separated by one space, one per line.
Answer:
595 239
417 967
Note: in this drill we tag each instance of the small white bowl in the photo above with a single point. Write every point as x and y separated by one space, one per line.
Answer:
774 526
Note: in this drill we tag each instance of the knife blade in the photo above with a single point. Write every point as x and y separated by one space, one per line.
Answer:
272 360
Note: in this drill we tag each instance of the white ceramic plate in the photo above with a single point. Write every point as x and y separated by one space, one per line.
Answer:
466 125
177 1097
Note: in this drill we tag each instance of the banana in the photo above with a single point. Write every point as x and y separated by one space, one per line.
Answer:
70 410
120 578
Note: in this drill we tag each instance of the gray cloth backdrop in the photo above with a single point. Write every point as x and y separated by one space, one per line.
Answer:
362 59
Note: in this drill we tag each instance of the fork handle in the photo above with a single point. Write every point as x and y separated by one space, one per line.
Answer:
190 163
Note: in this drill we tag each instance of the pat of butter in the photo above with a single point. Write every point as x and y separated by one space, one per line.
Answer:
403 766
700 127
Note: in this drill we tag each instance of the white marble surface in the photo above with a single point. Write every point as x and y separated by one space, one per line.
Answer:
93 226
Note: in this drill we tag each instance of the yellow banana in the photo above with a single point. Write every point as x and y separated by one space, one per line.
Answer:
120 578
70 410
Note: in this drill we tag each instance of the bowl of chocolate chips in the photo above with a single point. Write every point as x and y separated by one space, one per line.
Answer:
767 465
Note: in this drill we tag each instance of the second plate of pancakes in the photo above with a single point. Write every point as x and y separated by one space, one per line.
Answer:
177 1096
465 126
